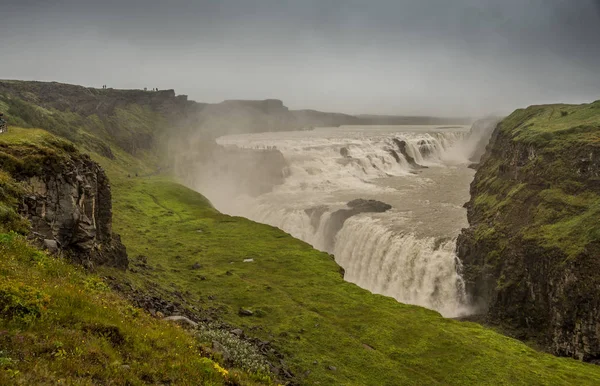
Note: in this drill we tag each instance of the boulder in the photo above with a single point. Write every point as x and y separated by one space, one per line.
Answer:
219 348
181 320
363 206
51 245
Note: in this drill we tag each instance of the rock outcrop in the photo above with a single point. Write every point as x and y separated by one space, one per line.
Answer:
337 219
67 199
402 149
531 253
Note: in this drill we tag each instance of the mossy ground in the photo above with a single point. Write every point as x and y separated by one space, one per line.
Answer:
302 303
555 126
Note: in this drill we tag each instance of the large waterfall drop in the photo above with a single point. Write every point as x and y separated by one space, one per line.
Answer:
406 252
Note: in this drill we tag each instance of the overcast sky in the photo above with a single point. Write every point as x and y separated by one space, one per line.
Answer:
441 57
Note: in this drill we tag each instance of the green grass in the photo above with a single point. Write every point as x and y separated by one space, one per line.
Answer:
555 125
303 305
568 222
131 127
59 324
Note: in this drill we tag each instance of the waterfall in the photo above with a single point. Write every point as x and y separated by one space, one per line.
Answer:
379 252
422 271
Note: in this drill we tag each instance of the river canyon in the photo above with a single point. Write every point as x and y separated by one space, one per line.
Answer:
386 201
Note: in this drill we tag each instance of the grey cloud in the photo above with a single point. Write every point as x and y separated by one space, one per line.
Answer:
403 57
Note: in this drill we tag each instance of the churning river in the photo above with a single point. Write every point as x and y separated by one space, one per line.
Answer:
406 252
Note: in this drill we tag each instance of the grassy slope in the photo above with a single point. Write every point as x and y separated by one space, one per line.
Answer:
302 304
554 125
560 137
59 324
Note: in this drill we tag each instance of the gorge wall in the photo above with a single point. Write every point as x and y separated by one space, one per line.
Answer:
531 253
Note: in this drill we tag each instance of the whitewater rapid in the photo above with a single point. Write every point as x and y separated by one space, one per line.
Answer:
407 252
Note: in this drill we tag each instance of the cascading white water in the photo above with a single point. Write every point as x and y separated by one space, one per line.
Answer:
407 252
314 161
413 270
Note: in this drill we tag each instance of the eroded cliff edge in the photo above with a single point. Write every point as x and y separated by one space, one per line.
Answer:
65 196
531 254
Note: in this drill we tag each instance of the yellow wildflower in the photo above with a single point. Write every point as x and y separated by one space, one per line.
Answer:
221 370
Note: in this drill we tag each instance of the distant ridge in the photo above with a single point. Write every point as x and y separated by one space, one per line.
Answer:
212 119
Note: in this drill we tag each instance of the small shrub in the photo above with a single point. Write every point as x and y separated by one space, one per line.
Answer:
11 221
95 284
5 359
21 301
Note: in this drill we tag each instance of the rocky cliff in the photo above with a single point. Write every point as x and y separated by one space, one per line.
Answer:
531 255
65 196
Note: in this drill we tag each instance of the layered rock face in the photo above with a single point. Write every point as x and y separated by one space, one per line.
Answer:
531 256
71 211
